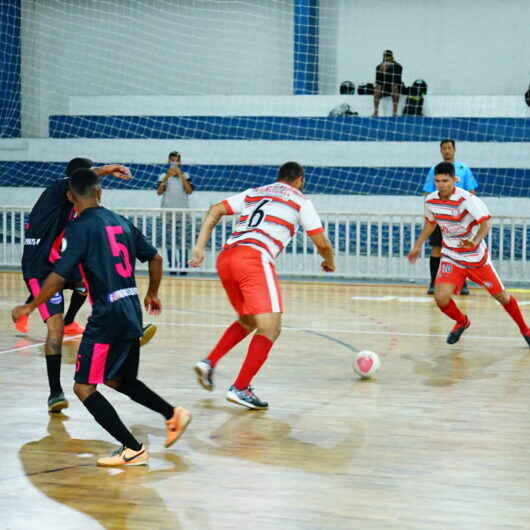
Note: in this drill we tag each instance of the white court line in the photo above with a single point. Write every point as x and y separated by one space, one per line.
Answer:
351 331
37 344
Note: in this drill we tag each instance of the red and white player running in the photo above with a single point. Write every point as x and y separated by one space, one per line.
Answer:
269 218
465 221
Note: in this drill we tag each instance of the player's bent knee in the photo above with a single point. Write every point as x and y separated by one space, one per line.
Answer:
82 391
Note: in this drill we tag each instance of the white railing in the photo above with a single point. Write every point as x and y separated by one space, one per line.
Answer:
366 246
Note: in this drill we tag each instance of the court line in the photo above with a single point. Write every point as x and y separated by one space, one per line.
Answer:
352 331
37 344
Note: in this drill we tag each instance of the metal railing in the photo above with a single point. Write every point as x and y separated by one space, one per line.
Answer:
371 246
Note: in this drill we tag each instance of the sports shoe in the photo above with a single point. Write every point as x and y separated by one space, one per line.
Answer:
457 331
430 290
73 329
125 457
245 397
527 338
204 371
57 403
22 324
176 425
465 290
149 331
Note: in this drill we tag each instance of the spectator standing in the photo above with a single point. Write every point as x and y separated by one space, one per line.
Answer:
175 187
387 82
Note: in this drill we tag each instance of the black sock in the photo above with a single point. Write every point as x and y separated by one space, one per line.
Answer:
105 414
53 367
142 394
76 301
29 299
434 264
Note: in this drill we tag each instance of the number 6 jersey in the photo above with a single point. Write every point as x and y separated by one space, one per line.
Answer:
269 217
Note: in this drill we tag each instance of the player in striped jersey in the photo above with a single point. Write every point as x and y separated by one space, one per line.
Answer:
464 221
268 219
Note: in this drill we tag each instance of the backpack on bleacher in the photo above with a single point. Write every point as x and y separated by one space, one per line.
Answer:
414 101
365 90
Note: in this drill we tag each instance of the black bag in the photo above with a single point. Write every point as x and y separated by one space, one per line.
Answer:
527 96
414 101
347 87
365 90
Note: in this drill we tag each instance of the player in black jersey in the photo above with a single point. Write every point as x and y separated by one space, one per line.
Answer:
105 246
42 246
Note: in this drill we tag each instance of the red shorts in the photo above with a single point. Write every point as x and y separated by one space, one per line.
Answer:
250 281
486 276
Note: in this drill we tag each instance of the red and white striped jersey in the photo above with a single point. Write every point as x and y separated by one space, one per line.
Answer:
459 218
269 217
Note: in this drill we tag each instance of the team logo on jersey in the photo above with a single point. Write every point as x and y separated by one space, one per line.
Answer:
57 298
446 268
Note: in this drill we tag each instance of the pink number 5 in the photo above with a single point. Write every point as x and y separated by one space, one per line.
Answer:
119 250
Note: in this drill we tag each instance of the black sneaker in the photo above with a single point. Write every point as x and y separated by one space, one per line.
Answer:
527 339
204 371
57 403
430 290
245 397
457 331
465 290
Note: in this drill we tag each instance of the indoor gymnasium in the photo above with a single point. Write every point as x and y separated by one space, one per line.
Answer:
264 265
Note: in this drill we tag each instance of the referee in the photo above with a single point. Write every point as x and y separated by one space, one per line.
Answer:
466 181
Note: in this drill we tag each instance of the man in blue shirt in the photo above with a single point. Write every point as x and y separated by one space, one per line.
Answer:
466 181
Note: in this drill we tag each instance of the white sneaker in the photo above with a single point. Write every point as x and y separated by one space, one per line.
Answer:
204 371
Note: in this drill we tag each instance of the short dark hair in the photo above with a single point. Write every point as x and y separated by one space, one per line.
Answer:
173 153
78 163
84 182
445 168
448 141
290 171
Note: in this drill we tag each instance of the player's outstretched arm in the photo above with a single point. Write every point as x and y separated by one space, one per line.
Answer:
325 249
151 301
211 219
53 284
428 229
116 170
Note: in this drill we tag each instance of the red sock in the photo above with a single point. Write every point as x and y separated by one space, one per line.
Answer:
258 350
513 309
233 335
452 311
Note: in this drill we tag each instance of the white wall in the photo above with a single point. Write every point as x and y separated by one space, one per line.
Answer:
458 47
73 47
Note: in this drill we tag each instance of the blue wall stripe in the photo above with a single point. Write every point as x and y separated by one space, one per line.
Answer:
10 103
305 47
401 129
333 180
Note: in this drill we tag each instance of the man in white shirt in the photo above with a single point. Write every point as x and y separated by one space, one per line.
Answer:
268 219
175 186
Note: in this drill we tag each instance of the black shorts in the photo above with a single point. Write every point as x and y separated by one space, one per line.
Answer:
435 239
54 306
99 361
387 89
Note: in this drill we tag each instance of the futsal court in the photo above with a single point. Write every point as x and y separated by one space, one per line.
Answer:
438 439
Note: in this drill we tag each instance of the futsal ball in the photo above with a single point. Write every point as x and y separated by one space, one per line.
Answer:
366 363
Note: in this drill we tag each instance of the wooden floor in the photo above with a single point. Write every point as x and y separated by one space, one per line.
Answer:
440 439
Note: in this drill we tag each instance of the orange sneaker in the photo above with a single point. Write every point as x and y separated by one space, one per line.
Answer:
149 331
176 425
125 457
73 329
22 324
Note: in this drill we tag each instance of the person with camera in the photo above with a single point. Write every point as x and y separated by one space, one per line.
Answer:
175 186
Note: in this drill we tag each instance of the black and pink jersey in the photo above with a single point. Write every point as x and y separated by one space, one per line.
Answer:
105 246
44 230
